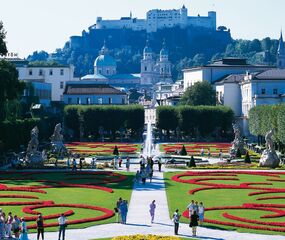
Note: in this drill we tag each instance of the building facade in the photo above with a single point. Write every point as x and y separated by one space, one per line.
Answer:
158 19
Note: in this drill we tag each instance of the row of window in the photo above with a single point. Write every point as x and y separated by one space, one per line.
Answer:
41 72
263 91
88 101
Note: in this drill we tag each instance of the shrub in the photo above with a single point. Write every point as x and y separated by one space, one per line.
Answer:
247 158
116 150
183 151
238 153
192 162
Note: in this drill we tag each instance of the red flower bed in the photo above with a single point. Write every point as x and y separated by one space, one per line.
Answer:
204 178
17 196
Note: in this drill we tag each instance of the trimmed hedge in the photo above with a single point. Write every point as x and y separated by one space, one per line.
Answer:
194 120
111 118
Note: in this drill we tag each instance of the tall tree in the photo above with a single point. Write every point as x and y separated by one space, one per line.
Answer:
3 48
201 93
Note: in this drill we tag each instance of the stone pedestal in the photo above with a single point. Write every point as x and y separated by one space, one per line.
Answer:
269 159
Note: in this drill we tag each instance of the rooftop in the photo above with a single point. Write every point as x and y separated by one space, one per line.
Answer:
272 74
232 78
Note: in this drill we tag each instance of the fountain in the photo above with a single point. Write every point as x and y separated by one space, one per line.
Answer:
148 143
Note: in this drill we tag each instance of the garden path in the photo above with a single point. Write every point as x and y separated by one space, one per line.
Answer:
138 221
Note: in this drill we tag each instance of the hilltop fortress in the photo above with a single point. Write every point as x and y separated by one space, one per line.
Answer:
159 19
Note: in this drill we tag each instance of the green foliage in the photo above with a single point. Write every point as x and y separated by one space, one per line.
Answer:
201 93
247 158
238 153
116 150
263 118
192 162
3 48
183 151
195 120
110 118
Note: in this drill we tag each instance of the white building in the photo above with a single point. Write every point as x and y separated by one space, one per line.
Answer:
159 19
218 70
93 93
153 71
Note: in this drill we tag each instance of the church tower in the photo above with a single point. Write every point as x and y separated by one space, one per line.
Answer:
281 53
164 65
147 66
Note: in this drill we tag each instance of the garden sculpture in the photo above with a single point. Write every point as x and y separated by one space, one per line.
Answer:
238 143
33 156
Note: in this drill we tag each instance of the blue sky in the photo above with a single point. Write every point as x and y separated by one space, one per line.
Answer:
47 24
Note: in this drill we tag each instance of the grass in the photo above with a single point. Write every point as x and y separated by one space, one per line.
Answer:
71 195
223 197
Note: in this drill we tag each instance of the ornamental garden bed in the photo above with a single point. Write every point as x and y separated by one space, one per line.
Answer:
246 201
87 198
102 148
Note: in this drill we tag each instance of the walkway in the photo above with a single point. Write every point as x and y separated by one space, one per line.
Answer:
138 221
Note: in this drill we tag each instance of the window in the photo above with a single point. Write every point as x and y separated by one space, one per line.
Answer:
78 100
123 101
88 101
145 68
69 100
61 85
50 72
100 71
61 72
110 100
30 72
100 101
40 72
263 91
275 91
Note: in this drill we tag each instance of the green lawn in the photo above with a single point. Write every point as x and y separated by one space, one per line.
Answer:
178 197
67 195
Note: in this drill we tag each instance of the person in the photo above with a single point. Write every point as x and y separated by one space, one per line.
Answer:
176 217
201 212
40 226
119 217
151 162
159 163
150 175
9 225
124 211
194 218
120 162
190 207
152 207
80 163
143 176
24 234
68 163
74 165
209 153
16 226
93 162
221 154
62 225
138 177
2 225
128 164
202 152
196 207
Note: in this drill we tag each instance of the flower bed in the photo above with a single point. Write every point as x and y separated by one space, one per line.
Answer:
204 182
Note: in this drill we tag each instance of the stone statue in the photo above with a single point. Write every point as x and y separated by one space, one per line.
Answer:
57 145
33 156
238 143
269 157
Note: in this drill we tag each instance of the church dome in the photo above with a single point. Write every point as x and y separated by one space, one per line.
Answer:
163 51
105 61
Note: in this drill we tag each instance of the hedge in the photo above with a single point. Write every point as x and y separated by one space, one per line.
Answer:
111 118
193 120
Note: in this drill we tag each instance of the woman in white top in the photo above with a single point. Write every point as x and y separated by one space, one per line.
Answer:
201 211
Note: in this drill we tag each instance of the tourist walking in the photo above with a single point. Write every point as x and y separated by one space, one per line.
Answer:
209 153
194 218
201 212
2 225
159 163
150 175
118 204
196 207
24 233
120 162
137 177
151 162
152 207
202 152
16 226
190 207
176 217
74 165
143 176
40 226
93 162
124 211
62 225
221 154
81 163
9 225
128 164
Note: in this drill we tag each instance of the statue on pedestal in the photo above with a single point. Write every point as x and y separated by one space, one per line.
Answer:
269 157
33 156
57 145
238 143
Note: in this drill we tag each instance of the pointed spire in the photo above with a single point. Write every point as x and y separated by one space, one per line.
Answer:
281 47
131 14
104 49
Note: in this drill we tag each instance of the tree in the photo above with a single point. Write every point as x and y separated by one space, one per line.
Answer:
192 162
3 48
183 151
116 151
201 93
